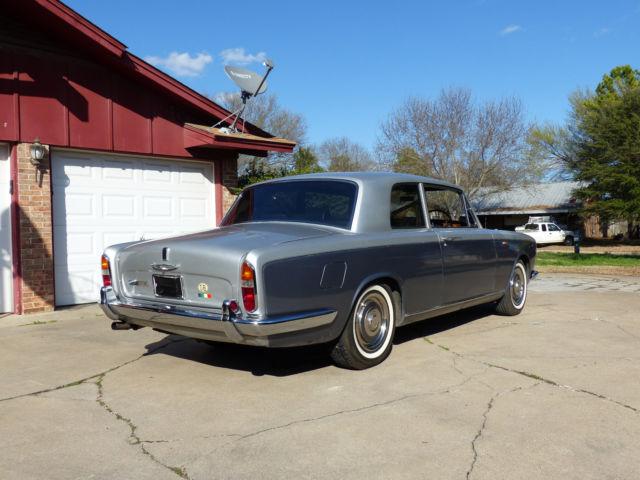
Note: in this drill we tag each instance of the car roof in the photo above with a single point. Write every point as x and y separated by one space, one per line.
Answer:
365 178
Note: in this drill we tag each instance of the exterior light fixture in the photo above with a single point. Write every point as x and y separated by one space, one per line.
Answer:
38 151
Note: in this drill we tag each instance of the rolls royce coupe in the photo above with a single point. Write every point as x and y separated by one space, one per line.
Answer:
339 258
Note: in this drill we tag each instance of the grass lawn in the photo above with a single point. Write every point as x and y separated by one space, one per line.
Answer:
549 259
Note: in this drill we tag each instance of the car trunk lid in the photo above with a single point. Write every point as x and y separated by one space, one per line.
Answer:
200 269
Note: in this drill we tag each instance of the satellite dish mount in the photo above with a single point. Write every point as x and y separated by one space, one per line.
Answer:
251 84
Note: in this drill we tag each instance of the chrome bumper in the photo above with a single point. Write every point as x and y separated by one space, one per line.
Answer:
224 326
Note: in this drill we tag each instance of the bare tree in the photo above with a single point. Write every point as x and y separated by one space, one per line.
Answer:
474 145
344 155
265 112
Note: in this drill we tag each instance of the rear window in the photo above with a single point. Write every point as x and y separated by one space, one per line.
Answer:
322 202
531 226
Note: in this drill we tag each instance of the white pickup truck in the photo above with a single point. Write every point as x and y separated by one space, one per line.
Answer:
547 232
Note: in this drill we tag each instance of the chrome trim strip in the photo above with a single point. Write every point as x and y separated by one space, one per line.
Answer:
164 267
452 307
234 327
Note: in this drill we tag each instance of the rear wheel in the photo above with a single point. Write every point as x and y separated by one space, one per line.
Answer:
367 338
515 294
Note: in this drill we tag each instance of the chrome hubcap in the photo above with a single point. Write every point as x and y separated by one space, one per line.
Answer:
372 321
517 284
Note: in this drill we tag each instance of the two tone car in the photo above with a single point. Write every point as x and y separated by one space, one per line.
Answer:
337 258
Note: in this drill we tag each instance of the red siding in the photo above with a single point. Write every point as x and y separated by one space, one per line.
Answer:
70 102
131 118
8 100
89 105
43 100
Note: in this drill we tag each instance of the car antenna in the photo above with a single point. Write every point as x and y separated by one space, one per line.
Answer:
251 84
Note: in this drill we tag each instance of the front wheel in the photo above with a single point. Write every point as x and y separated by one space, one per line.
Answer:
367 338
568 240
515 294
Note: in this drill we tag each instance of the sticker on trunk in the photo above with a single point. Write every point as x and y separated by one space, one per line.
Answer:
203 291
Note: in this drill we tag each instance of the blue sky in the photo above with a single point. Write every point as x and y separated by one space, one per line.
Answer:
346 65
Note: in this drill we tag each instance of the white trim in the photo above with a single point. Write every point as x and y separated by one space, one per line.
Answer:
6 253
520 306
392 322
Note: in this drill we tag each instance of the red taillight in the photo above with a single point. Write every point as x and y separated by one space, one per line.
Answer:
248 285
106 271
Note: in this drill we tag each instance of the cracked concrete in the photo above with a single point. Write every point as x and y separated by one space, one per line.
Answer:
552 393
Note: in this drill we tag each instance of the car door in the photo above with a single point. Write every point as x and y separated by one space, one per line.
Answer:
555 234
468 251
416 254
533 230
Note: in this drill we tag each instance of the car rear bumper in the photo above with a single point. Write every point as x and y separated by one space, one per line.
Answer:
216 326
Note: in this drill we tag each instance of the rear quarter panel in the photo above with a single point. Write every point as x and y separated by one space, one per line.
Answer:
333 277
510 246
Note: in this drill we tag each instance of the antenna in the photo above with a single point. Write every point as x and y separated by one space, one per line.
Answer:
251 84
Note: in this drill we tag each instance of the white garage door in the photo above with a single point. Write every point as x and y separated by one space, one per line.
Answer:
101 200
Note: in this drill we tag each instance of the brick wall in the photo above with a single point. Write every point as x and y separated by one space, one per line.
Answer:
36 237
229 180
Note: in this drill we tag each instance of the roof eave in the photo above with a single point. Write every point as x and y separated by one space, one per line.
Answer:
195 137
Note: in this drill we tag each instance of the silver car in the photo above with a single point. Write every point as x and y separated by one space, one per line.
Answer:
344 258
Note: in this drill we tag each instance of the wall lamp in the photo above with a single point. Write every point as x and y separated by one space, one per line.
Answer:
38 151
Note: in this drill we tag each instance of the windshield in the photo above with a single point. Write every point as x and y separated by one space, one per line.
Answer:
531 226
323 202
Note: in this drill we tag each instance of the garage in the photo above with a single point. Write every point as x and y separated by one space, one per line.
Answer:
101 200
99 147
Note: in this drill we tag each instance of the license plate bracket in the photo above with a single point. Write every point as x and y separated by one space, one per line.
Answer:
167 286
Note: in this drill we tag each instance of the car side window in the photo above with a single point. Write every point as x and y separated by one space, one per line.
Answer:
544 227
553 228
406 206
446 207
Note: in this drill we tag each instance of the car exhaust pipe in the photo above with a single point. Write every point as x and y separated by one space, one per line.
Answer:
121 326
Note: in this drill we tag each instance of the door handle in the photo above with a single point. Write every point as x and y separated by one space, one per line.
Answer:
452 238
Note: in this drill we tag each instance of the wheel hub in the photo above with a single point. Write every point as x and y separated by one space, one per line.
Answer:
372 322
517 286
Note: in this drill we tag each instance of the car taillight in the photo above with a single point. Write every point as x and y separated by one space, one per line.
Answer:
106 271
248 285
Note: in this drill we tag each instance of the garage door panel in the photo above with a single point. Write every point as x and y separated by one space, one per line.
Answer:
116 207
79 205
79 244
117 170
76 283
113 238
192 176
155 207
157 173
104 200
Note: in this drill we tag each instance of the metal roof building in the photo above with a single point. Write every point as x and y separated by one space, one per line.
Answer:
542 198
508 209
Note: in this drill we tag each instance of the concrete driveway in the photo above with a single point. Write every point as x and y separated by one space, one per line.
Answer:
552 393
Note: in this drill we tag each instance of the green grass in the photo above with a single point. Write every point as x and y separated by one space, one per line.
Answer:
548 259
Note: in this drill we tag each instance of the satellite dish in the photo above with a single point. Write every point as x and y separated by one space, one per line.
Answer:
247 80
251 84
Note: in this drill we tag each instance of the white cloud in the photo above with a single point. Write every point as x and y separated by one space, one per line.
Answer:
602 32
509 29
225 98
182 64
240 57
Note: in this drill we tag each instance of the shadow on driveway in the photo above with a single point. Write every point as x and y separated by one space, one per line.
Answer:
282 362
